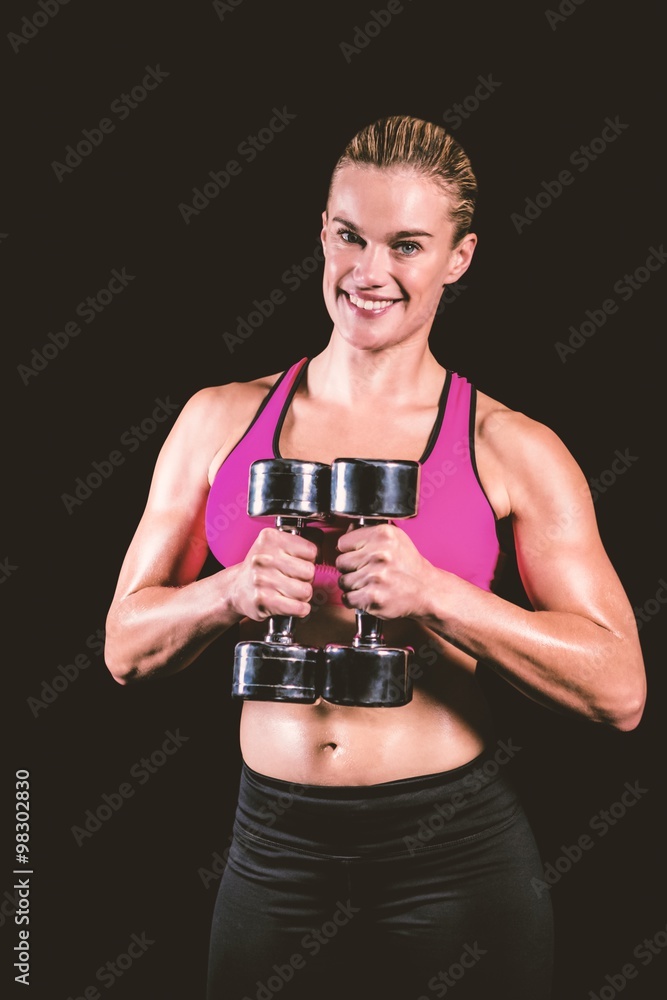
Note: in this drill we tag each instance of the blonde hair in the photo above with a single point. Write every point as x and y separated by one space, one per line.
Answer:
404 141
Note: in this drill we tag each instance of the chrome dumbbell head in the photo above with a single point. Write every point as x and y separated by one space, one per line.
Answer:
276 668
367 672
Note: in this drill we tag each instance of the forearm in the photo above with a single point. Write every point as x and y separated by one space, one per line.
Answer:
162 630
562 660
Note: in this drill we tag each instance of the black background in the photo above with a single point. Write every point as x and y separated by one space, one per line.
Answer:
144 870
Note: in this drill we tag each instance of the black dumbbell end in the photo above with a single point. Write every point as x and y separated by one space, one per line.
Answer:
367 677
267 671
385 489
285 487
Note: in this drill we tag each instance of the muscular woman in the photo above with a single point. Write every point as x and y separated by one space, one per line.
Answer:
328 866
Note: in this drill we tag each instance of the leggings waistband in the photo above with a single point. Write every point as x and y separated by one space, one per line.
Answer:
351 820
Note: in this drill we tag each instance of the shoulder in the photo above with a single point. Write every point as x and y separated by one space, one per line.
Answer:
524 459
504 430
231 400
216 417
210 423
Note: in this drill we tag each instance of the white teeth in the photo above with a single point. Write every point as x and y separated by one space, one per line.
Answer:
370 304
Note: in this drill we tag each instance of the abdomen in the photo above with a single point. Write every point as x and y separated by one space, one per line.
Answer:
446 724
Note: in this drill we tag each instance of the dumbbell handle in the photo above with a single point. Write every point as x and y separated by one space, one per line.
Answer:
369 629
369 632
280 626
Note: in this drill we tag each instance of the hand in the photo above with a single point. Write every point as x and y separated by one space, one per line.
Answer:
276 576
383 573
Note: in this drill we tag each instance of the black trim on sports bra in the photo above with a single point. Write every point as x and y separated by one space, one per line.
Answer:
254 420
433 436
435 431
283 412
471 445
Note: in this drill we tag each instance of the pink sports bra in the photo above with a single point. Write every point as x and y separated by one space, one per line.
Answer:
455 527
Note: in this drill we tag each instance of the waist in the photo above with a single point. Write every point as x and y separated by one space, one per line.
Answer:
355 821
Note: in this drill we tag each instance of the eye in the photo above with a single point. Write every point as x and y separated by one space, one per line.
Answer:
348 236
408 249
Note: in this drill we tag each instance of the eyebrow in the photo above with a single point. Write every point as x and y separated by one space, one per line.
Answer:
402 234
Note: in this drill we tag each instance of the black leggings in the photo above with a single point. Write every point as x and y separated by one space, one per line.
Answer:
408 890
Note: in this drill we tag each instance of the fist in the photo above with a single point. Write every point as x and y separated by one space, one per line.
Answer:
382 572
276 576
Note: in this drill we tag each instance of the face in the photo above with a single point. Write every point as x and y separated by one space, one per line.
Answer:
387 240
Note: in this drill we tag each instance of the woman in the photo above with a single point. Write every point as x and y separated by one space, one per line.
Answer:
392 838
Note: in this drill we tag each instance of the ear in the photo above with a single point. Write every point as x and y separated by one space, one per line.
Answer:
323 234
460 259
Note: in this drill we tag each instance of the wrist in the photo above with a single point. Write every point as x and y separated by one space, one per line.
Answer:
229 603
431 585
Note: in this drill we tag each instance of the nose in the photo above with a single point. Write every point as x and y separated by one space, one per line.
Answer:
371 268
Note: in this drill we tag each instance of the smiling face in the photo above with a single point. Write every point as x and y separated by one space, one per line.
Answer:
387 238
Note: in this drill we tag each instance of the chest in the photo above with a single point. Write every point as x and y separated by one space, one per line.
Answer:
321 434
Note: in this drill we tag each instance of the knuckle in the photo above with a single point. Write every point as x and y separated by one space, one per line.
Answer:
260 602
268 540
259 577
260 560
375 604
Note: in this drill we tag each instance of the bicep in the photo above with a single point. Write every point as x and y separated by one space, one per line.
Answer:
561 558
168 550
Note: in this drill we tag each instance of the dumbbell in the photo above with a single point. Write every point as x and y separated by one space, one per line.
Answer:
278 668
368 672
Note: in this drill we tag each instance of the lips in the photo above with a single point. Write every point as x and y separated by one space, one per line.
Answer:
370 305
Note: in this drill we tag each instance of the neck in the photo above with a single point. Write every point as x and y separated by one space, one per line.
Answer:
395 374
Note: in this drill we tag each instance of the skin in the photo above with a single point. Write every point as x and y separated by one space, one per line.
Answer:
577 651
